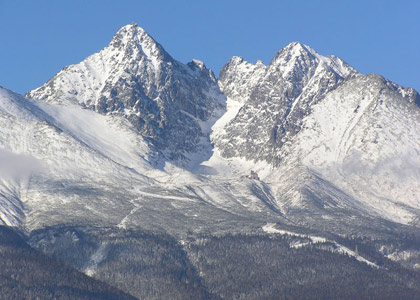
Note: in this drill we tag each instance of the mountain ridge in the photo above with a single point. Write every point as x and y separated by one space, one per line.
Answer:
132 139
267 115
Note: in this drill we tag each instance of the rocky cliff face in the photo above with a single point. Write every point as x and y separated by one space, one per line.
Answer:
167 101
276 98
319 115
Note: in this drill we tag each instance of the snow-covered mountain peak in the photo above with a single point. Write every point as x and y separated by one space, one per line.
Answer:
294 52
297 48
270 101
132 37
136 78
236 73
129 32
131 52
297 61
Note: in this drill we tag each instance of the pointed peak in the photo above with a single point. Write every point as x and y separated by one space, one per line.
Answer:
136 39
298 45
300 56
130 29
129 32
295 45
296 49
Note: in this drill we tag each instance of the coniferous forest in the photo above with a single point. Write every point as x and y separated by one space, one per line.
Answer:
147 265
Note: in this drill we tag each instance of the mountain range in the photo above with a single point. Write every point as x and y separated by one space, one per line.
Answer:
131 148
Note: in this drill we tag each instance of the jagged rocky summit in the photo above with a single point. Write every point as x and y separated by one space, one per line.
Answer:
304 111
168 102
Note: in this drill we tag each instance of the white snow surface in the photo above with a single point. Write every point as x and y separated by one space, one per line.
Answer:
366 142
340 249
54 148
95 169
96 258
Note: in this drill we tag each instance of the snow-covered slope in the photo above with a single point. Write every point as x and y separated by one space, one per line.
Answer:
65 157
63 164
365 138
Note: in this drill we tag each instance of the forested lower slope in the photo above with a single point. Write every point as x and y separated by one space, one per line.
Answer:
27 274
153 265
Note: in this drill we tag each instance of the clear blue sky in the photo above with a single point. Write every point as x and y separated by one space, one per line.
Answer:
38 38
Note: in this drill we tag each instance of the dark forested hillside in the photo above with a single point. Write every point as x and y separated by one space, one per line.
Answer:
27 274
261 267
145 265
155 266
